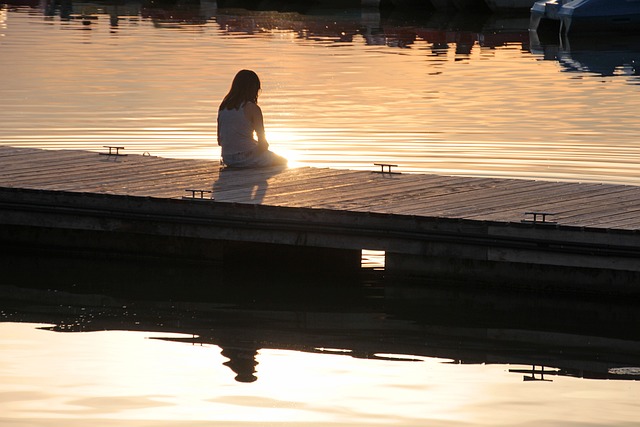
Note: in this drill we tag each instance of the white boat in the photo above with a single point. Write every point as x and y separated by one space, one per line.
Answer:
587 15
601 15
544 14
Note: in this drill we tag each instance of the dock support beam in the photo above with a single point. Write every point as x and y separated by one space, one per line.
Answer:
521 275
245 258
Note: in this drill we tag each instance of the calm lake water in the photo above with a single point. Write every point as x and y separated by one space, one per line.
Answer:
468 95
472 95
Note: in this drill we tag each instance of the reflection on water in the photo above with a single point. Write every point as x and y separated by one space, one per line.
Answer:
592 54
453 94
182 342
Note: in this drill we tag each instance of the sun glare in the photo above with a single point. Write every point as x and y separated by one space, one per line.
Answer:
283 142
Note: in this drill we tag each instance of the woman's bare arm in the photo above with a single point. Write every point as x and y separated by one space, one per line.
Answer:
254 114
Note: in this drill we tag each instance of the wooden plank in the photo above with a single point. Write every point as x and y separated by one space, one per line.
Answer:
530 198
576 212
610 218
602 203
44 166
330 190
100 173
14 153
539 201
229 182
42 160
33 164
9 151
232 180
361 189
466 200
174 184
287 194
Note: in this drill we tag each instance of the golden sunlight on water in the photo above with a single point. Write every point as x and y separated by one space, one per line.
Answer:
341 91
66 379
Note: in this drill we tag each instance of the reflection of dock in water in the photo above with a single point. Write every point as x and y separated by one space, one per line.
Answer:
583 338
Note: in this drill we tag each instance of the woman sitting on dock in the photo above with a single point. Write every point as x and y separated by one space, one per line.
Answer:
239 117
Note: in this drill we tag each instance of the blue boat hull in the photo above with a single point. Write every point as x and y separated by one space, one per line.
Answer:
601 15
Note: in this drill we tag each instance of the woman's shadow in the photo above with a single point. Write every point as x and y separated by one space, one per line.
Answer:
244 185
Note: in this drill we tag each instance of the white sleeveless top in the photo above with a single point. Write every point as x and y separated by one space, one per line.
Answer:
235 132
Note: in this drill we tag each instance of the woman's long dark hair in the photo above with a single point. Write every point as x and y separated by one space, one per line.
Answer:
245 87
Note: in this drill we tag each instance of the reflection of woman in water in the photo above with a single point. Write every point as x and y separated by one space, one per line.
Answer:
243 362
239 117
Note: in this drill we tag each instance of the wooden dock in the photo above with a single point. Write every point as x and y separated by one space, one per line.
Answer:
450 226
